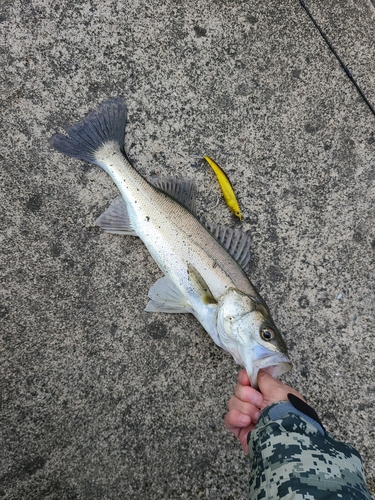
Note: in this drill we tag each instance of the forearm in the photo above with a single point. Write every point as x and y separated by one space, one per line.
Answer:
293 457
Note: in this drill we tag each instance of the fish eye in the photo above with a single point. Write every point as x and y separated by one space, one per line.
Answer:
267 334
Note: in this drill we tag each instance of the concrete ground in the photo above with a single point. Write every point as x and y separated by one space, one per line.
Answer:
101 400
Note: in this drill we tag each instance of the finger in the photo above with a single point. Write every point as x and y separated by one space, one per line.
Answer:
267 378
235 420
268 383
248 395
243 437
243 378
273 390
241 434
245 408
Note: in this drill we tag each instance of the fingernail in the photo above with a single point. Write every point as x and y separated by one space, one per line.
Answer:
257 415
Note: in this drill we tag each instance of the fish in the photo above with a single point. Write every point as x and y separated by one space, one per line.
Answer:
203 268
226 187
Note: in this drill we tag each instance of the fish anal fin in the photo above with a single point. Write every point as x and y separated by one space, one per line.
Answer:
181 190
167 298
115 219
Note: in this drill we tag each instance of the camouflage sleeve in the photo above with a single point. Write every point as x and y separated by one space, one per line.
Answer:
293 457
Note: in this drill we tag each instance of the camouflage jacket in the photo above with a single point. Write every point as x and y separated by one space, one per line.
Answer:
293 457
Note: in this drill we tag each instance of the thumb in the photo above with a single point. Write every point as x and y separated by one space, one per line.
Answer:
269 385
273 390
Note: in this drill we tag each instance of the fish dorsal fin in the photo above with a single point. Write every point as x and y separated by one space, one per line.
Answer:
235 241
115 219
166 297
181 190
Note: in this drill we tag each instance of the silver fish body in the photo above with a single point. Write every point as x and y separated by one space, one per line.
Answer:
200 276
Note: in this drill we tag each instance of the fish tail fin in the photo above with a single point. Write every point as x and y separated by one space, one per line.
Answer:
106 124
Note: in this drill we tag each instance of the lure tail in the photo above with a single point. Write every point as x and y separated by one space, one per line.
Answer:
106 124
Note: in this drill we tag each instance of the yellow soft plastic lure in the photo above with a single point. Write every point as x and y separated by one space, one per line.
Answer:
226 187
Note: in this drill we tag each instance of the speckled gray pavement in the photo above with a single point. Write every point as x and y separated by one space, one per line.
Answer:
101 400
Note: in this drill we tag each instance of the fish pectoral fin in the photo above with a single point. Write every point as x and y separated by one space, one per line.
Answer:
115 219
166 297
181 190
200 286
235 241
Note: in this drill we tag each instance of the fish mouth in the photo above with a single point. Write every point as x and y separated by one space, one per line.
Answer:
275 365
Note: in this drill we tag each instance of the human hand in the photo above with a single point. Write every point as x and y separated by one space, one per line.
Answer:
246 404
244 409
